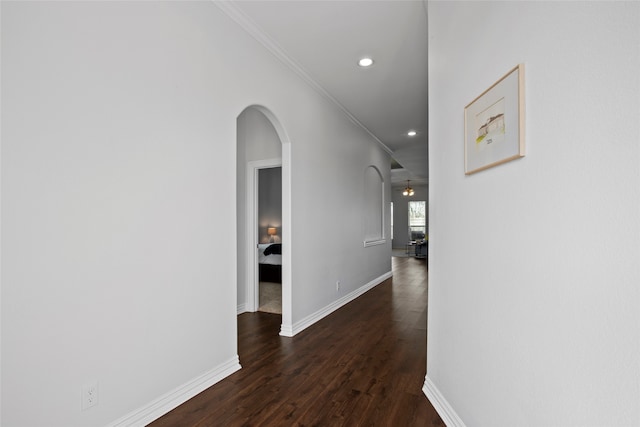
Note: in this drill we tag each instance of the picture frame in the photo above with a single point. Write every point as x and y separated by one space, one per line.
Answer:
494 124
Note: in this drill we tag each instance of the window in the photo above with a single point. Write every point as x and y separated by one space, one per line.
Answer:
417 220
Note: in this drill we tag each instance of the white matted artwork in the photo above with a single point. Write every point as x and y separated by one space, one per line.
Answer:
494 124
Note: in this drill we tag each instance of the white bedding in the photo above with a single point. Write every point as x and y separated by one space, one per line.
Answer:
273 259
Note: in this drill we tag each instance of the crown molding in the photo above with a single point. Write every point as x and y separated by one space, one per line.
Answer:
239 17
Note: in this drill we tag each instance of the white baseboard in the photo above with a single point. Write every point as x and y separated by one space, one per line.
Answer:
241 308
301 325
286 330
162 405
443 408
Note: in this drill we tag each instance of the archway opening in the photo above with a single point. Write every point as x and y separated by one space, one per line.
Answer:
262 144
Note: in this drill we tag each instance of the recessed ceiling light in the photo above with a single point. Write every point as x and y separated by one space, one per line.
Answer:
365 62
412 133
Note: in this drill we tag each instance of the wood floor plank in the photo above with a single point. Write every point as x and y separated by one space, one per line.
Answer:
363 365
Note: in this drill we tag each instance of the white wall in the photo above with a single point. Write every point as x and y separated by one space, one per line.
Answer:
533 280
118 168
331 187
401 212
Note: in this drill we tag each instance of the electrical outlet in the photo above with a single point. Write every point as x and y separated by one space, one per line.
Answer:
89 395
337 285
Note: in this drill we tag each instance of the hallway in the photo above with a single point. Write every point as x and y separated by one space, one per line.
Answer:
362 365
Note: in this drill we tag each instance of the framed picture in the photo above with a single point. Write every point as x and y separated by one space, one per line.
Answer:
494 124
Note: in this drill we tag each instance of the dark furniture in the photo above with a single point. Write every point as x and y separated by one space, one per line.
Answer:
421 249
270 273
270 264
417 235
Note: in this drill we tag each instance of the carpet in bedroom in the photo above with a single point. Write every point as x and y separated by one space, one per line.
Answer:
270 297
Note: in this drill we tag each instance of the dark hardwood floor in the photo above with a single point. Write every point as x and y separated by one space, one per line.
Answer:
363 365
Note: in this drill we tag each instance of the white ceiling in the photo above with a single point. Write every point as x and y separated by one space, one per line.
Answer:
323 40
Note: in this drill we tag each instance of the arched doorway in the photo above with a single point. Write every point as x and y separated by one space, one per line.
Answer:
258 132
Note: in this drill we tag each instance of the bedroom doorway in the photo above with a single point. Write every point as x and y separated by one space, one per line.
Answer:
269 232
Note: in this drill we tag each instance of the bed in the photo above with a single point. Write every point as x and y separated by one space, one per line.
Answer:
270 262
